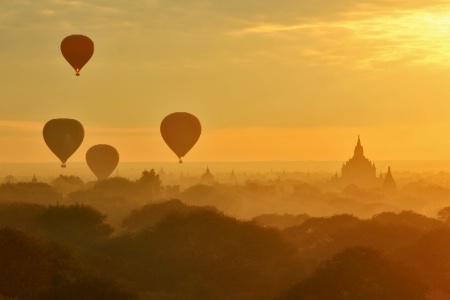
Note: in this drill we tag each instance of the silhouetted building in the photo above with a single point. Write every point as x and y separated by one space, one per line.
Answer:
358 170
161 172
207 177
389 182
232 178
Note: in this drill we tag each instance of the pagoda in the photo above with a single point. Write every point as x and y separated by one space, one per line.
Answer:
359 170
207 177
389 182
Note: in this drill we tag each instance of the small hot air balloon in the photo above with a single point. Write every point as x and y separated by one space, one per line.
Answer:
77 49
180 131
102 160
63 137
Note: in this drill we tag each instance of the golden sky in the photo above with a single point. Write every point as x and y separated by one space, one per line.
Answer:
268 79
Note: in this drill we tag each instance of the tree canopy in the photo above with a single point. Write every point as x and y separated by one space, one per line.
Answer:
355 274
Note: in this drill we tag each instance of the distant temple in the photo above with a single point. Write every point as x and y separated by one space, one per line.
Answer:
360 171
389 183
161 173
207 177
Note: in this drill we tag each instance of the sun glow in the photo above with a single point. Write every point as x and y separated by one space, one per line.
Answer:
417 37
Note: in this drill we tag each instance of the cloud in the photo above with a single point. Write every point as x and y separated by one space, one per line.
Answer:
408 37
47 12
273 28
203 14
28 126
123 131
309 62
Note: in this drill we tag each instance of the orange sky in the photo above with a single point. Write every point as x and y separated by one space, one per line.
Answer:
268 80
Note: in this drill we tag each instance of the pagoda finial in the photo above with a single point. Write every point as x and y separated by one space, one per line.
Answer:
359 149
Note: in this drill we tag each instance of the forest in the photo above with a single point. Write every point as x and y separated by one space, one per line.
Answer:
141 239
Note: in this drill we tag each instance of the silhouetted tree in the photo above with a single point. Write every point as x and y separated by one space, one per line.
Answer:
87 286
408 218
151 214
34 269
115 185
76 226
105 192
67 183
430 255
29 192
150 182
355 274
305 190
256 188
115 196
280 221
444 215
320 238
207 195
21 215
25 266
9 179
171 191
203 255
316 234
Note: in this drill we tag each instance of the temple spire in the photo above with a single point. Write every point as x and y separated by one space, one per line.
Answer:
389 182
359 151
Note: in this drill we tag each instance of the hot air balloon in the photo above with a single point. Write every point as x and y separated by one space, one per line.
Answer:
180 131
102 160
77 49
63 137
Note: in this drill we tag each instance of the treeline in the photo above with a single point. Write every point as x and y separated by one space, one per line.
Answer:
118 196
171 250
164 251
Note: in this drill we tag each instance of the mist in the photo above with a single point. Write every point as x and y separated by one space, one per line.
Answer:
257 230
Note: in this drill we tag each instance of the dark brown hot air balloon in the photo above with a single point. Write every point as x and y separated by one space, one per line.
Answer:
77 49
180 131
63 137
102 160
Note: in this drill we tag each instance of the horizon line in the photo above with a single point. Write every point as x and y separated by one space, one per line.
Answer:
234 161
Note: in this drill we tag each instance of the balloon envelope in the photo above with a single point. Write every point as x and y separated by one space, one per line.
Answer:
63 137
102 160
77 49
180 131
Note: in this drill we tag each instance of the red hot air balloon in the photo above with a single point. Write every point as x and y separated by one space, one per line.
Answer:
77 49
102 160
63 137
180 131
